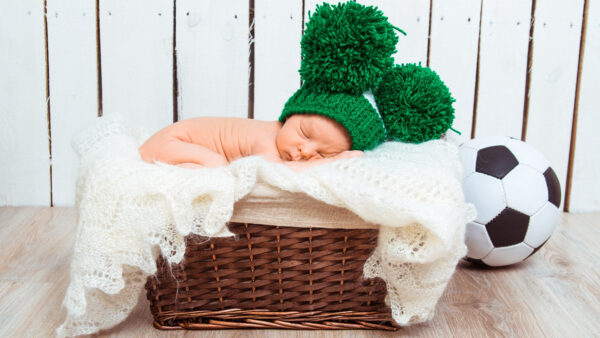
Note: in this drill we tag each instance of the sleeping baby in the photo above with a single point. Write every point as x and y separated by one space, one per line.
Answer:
334 115
301 141
313 128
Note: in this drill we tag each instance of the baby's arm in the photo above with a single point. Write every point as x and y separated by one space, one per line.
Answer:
176 151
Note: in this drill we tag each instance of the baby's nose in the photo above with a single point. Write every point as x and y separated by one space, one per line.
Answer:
306 151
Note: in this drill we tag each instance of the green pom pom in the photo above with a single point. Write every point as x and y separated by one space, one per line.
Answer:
415 104
346 48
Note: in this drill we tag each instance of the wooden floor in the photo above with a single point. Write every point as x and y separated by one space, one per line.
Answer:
555 293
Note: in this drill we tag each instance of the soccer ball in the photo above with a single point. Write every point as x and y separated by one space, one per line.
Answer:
517 196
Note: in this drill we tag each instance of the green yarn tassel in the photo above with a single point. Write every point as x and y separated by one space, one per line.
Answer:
346 48
415 104
399 30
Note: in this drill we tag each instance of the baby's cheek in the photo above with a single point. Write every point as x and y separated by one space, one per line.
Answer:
272 158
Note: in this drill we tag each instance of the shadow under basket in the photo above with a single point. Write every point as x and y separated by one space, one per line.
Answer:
271 277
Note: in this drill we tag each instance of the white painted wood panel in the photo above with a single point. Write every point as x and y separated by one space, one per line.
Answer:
24 148
413 18
136 39
585 191
212 50
504 44
453 55
409 15
212 55
556 37
278 30
73 87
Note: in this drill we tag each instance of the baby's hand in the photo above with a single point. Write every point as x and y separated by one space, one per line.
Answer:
348 154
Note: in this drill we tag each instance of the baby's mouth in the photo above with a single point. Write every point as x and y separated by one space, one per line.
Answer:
291 157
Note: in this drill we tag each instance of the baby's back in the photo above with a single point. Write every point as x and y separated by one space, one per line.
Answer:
228 136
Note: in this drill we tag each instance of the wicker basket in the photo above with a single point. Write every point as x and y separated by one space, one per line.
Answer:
271 277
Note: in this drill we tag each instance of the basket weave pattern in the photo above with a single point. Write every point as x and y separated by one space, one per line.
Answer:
271 277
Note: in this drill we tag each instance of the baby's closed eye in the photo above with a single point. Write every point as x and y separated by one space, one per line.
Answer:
303 133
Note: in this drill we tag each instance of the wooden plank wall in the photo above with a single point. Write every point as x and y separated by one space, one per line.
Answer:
73 85
24 147
527 69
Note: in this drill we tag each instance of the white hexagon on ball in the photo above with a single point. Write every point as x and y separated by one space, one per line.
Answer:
468 157
508 255
526 154
526 189
542 225
486 193
477 240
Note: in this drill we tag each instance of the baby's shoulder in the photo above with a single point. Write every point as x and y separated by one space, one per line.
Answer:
204 125
265 146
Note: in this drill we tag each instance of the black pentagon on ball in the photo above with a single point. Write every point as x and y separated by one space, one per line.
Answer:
496 161
553 187
508 228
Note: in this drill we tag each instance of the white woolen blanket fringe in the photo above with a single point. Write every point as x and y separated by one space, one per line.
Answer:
128 208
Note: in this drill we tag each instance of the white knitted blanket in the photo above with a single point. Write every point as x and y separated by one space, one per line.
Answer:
128 209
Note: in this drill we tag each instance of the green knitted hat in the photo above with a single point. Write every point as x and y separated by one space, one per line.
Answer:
354 112
346 53
346 49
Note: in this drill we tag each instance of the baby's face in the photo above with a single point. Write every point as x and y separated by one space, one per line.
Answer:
308 136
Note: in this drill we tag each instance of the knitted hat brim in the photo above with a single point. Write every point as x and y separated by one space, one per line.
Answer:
353 112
